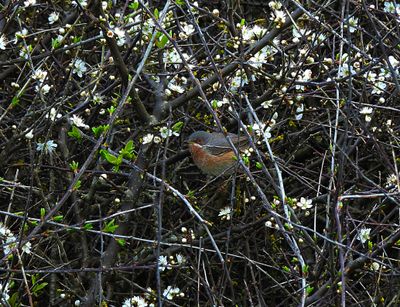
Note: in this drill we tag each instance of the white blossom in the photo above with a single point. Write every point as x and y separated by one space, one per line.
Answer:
249 33
379 87
148 138
53 115
44 88
3 42
163 262
299 112
366 110
121 36
279 18
29 3
29 135
173 57
375 266
304 77
267 104
83 3
239 80
79 67
9 244
170 292
27 248
47 147
225 213
259 58
393 61
363 234
24 52
275 5
391 180
136 301
300 33
260 130
180 259
78 121
371 76
4 292
165 132
353 24
391 7
175 87
304 203
188 29
346 70
258 31
53 17
20 34
97 99
220 103
39 75
4 231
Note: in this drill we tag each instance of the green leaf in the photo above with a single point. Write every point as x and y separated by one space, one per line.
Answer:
88 226
76 39
74 166
77 185
38 287
180 2
161 41
75 133
286 269
242 22
58 218
111 110
134 5
14 300
258 165
55 43
99 130
177 127
33 223
42 212
309 289
156 13
128 151
121 242
110 227
118 163
15 101
109 157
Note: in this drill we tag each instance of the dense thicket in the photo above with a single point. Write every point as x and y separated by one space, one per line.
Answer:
101 202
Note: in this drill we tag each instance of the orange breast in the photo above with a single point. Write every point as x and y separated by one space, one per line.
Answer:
212 164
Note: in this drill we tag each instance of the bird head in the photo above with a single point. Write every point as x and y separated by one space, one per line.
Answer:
199 137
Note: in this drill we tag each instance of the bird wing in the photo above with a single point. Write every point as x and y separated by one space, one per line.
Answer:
218 144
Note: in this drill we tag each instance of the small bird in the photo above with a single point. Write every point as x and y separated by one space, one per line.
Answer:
212 153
